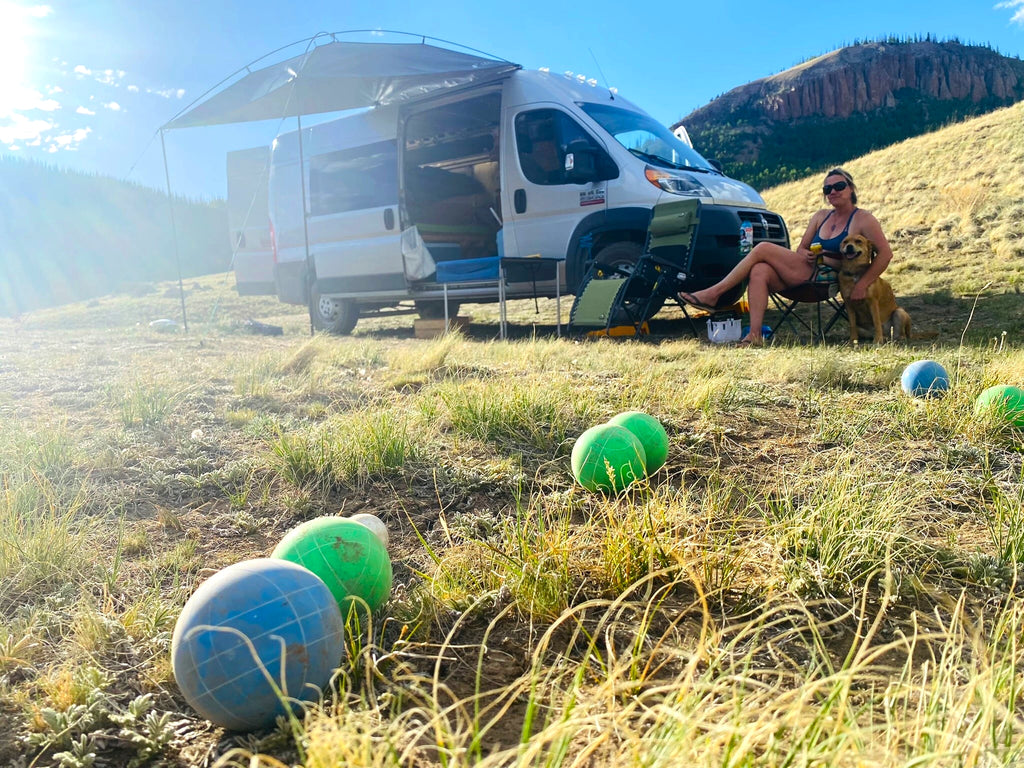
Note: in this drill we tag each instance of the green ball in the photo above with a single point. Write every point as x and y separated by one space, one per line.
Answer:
1006 401
348 556
608 457
649 432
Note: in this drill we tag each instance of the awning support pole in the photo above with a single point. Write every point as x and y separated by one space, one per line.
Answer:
174 232
310 270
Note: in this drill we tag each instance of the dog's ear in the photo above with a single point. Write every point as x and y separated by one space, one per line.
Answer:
872 250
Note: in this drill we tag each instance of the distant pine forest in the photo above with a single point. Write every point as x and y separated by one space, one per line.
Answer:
68 236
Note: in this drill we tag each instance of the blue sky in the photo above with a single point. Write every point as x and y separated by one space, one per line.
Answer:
86 84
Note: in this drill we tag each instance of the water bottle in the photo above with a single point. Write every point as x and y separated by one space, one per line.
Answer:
746 238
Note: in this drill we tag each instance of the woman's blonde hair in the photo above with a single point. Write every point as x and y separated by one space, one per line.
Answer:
849 180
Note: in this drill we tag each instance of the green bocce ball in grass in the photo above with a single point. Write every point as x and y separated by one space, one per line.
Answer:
1005 401
608 457
650 433
348 556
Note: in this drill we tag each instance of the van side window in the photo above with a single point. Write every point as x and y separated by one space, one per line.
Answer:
543 137
353 179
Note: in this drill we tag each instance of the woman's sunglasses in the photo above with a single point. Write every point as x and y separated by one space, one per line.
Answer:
839 186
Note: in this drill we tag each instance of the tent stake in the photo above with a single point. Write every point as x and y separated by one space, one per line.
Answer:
174 232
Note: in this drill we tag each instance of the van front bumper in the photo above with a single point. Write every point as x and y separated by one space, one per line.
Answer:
718 240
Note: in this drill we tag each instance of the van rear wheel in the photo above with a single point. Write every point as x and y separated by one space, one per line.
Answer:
337 316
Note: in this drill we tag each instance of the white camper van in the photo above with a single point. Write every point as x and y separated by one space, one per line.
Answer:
532 163
247 173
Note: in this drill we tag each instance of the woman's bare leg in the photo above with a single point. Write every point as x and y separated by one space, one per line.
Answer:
788 266
763 281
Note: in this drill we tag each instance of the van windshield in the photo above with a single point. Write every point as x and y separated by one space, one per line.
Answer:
646 138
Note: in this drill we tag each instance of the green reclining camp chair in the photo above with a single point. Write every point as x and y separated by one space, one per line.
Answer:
617 295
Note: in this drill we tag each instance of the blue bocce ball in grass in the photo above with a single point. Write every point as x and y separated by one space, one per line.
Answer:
247 625
924 378
608 457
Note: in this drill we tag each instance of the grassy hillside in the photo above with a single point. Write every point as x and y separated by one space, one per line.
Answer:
67 236
950 202
825 572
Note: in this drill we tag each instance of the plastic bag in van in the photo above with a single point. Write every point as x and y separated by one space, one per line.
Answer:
419 264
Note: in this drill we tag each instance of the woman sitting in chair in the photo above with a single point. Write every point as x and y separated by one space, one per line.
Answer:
770 268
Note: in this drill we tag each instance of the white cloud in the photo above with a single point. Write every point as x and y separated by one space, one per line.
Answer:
81 70
70 141
1018 15
85 111
52 90
16 98
133 89
113 106
110 76
38 11
167 93
20 128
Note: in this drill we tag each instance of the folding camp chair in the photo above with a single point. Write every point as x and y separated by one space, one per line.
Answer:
614 296
822 290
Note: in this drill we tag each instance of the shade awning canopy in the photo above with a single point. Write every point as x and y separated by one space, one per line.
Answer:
339 76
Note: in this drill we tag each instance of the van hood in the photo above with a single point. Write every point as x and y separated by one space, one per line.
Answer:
726 191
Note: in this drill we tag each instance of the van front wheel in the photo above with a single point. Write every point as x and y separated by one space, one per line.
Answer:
337 316
620 257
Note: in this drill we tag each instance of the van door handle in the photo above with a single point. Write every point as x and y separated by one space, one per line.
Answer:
389 219
519 200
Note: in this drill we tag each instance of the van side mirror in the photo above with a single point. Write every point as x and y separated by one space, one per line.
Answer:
714 163
581 162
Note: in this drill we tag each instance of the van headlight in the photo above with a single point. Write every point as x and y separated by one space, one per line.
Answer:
676 185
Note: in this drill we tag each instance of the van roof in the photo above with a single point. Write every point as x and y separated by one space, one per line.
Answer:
381 123
540 85
365 127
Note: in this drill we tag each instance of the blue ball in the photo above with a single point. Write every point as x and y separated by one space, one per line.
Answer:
296 633
925 378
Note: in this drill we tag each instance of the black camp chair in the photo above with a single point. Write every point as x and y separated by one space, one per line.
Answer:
822 290
615 297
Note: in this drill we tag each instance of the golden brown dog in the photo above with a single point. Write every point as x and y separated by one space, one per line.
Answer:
878 313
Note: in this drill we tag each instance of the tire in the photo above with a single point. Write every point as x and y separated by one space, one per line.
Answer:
620 258
434 309
337 316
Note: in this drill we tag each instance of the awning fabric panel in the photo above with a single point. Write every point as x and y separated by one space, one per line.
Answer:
339 76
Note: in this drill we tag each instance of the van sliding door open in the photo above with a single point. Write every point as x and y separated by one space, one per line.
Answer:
450 176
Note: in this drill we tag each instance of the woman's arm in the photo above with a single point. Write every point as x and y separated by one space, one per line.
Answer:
804 249
872 230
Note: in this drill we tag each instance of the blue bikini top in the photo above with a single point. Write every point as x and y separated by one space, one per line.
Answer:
831 244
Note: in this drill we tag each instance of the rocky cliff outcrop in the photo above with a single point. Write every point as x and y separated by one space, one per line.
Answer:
870 77
848 102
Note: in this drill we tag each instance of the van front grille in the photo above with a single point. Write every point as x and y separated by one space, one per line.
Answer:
767 226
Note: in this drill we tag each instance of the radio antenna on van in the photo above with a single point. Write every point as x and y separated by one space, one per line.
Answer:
611 93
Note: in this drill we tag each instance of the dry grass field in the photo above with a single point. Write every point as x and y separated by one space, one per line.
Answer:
825 573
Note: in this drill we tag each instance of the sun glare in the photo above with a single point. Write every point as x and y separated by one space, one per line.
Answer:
15 37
